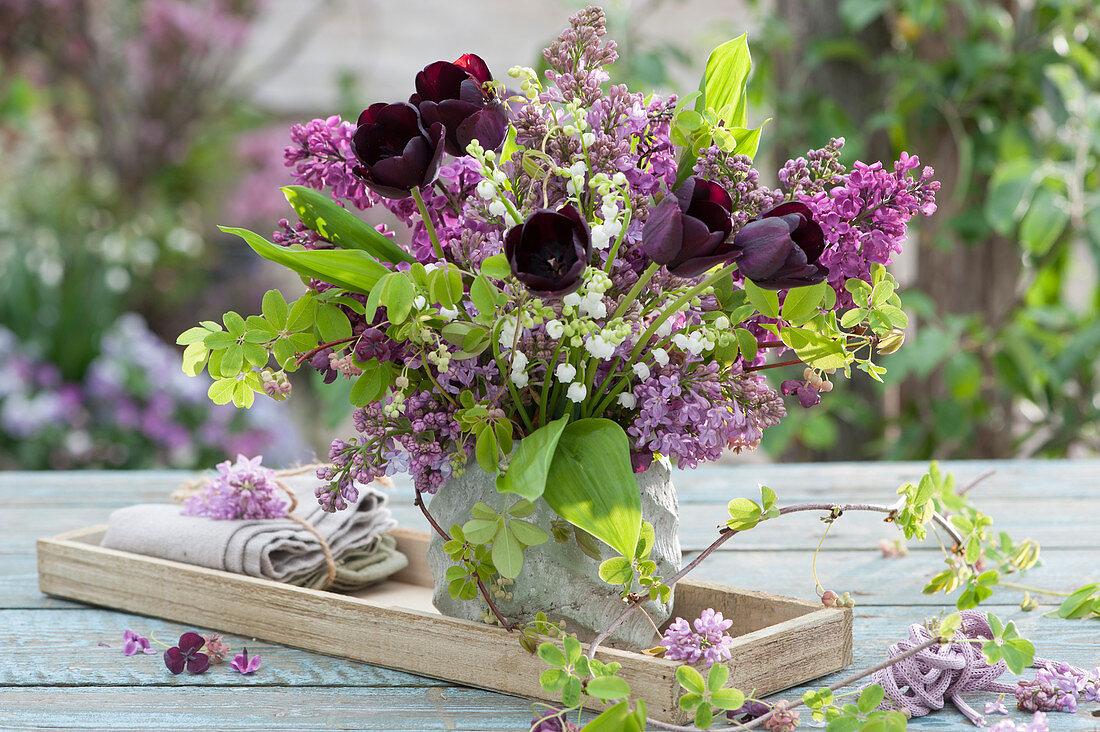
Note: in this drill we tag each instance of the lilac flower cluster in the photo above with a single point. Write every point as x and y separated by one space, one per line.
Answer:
134 408
865 215
413 434
321 157
577 58
693 413
1057 688
708 641
245 490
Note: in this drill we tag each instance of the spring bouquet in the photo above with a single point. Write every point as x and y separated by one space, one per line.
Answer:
588 285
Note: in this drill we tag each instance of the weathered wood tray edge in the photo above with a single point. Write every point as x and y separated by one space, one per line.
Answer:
780 642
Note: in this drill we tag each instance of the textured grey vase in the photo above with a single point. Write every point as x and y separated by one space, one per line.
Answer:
558 578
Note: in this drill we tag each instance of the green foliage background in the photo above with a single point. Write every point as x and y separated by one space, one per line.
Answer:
1005 102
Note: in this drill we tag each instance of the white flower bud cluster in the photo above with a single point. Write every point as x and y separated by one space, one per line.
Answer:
614 200
575 177
519 369
396 407
530 84
694 342
494 182
440 358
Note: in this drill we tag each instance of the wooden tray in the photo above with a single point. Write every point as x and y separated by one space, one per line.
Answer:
779 642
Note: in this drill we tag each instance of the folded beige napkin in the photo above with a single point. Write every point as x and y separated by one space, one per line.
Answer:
275 549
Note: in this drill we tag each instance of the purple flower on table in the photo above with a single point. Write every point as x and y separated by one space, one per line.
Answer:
186 654
553 720
132 644
244 664
459 96
781 248
996 707
549 251
807 395
708 641
395 151
688 231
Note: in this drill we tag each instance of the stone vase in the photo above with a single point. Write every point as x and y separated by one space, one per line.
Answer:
557 577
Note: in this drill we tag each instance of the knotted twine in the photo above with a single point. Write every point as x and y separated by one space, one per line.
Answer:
190 487
920 684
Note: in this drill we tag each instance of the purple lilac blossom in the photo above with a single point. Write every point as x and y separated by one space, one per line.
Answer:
708 642
694 412
132 644
119 415
241 662
865 216
1057 688
321 157
244 490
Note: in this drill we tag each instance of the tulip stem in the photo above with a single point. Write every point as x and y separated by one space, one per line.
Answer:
545 392
676 305
618 242
428 225
652 329
636 290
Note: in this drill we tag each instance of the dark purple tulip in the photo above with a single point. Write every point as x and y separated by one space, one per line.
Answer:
186 654
780 249
687 232
807 395
396 153
549 251
456 96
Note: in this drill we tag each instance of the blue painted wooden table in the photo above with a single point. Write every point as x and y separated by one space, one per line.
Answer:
61 664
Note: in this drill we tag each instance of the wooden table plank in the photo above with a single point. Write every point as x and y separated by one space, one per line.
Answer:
52 673
65 656
66 651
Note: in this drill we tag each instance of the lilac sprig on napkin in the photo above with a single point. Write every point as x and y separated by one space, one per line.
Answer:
246 490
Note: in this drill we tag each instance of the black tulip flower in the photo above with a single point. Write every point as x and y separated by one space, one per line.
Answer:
457 96
549 251
780 249
687 232
397 153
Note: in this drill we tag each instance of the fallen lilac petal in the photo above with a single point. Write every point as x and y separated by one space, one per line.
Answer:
244 664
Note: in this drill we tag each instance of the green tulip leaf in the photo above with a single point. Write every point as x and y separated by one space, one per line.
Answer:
343 228
526 474
591 483
353 270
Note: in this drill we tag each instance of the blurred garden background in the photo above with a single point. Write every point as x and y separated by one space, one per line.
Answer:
129 129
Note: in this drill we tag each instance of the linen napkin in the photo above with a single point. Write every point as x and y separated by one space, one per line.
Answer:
275 549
